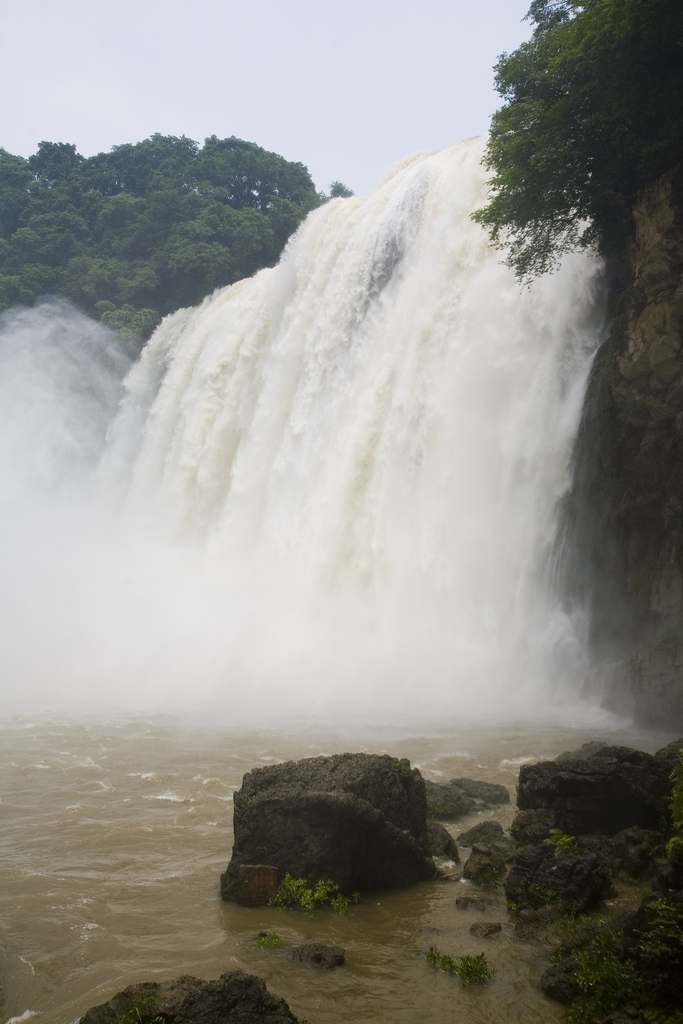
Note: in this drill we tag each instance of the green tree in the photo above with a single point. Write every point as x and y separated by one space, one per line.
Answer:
54 161
338 190
15 176
133 234
594 111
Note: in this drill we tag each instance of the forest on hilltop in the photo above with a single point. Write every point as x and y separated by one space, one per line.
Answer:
133 234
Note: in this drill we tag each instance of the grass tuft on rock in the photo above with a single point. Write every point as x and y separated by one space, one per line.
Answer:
294 892
560 842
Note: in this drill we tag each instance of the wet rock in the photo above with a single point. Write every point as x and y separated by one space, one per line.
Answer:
447 800
558 983
459 796
670 751
320 955
572 883
236 997
440 843
475 902
491 793
584 751
610 791
483 832
601 846
531 827
485 929
357 819
633 851
256 884
485 865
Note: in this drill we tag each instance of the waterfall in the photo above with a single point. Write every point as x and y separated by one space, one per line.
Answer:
354 462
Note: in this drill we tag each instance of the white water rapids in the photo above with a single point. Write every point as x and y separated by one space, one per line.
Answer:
330 492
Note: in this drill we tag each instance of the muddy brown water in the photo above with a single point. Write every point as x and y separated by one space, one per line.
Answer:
113 835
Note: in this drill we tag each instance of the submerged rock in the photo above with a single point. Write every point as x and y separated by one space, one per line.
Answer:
607 792
356 819
235 998
320 955
485 929
475 902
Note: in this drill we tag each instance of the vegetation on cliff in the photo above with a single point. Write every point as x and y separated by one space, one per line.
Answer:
135 233
593 113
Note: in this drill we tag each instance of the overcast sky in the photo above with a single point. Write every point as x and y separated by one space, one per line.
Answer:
347 88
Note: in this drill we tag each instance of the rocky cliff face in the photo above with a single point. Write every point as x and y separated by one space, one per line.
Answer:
627 505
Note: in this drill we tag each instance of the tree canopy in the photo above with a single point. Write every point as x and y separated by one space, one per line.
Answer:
593 113
133 234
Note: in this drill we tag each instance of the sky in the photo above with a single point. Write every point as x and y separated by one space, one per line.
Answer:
348 89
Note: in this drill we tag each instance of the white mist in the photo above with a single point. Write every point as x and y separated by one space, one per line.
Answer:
331 491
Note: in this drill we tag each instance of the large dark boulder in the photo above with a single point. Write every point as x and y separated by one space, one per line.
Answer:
574 883
356 819
612 790
235 998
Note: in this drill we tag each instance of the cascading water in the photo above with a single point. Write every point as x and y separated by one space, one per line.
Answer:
370 441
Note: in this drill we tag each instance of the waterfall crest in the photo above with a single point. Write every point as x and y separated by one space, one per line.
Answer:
370 441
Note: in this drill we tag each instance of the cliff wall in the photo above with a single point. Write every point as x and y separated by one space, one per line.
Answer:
626 509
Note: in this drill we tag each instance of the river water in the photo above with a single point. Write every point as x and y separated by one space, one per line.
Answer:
114 833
